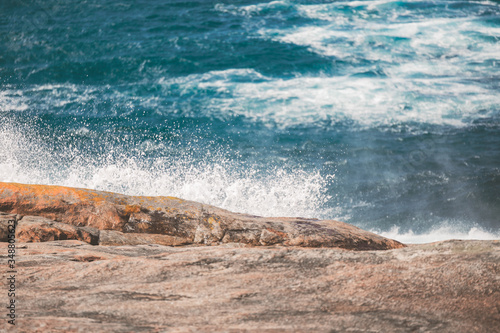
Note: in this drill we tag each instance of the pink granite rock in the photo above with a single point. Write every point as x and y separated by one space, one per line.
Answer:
170 221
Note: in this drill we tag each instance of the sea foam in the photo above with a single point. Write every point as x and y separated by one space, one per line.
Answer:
215 180
440 233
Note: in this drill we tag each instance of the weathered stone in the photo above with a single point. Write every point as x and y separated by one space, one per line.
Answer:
41 229
112 237
70 286
4 225
245 236
270 237
184 222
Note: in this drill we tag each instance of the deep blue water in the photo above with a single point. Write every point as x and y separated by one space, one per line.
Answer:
384 114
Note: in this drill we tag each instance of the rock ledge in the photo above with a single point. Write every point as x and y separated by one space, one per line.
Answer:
46 213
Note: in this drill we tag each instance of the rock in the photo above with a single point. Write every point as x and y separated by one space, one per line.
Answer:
70 286
4 225
40 229
111 237
171 221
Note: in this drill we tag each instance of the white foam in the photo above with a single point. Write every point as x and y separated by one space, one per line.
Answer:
367 101
12 100
24 158
344 38
362 32
251 10
441 233
426 72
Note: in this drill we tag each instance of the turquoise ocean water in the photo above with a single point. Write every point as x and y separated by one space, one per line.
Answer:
384 114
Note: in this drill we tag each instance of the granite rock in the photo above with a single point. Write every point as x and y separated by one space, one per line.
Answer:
71 286
168 221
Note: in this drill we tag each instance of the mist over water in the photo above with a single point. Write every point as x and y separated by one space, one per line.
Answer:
382 114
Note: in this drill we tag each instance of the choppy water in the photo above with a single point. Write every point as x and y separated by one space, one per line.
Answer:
384 114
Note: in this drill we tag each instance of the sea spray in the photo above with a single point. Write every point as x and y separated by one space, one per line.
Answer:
254 106
212 179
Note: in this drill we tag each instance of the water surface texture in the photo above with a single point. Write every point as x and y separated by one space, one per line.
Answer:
384 114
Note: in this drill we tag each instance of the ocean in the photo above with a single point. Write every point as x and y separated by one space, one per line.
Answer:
383 114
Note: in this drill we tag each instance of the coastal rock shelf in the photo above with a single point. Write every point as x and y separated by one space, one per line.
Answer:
47 213
155 275
71 286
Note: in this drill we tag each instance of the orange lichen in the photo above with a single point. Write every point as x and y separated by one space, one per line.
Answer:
130 209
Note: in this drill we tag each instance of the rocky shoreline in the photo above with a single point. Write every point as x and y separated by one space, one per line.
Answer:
90 261
104 218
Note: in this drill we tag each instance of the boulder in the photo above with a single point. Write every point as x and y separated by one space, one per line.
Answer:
41 229
168 221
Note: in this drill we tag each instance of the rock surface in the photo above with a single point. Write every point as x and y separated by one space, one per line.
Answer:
71 286
106 218
264 275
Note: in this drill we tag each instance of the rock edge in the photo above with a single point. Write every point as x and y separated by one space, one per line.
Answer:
46 213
